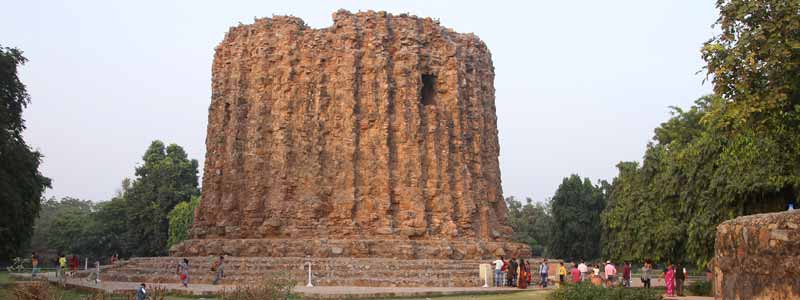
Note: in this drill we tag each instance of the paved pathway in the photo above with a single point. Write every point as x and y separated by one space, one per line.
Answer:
319 292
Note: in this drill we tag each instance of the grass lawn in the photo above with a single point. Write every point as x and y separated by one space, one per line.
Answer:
5 285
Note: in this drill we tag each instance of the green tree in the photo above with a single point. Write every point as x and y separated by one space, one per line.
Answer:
180 220
576 208
166 178
531 223
21 183
52 212
754 64
693 177
733 153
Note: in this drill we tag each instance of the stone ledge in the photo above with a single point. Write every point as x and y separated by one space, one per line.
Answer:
758 257
323 248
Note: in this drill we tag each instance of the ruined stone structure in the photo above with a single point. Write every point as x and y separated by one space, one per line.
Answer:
757 257
375 137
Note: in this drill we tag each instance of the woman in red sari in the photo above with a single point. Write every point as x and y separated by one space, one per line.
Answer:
523 273
669 280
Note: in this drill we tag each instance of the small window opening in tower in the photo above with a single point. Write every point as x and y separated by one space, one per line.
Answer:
428 89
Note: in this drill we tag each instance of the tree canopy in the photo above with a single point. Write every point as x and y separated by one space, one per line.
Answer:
166 178
21 183
733 153
531 223
576 208
134 222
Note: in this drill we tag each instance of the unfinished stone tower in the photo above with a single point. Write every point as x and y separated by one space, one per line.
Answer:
375 137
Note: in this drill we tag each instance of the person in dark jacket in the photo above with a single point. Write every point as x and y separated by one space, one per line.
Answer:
141 293
512 272
680 277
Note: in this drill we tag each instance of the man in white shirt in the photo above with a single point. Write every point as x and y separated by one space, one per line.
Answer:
543 272
611 273
584 270
498 271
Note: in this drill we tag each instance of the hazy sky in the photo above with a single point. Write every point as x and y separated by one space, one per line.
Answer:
580 84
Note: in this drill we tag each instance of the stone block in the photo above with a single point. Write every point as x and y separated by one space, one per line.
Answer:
757 257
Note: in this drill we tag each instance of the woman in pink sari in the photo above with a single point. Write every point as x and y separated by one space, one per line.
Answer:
669 280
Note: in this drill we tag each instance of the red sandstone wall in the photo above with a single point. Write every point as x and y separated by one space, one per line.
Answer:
758 257
321 133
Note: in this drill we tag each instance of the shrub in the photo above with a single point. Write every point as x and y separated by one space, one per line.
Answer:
586 291
36 291
277 286
701 288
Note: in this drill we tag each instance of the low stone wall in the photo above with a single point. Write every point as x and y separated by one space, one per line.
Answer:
758 257
364 248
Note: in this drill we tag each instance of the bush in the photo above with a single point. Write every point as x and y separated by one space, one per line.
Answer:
586 291
36 291
701 288
277 286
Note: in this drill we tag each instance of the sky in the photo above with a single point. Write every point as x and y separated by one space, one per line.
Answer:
580 85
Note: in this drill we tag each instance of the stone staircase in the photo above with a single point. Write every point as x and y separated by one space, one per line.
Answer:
373 272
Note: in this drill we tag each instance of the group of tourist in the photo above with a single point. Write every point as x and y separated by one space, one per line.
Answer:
591 273
517 273
68 267
217 266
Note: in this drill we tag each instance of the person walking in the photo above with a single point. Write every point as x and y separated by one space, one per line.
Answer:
543 270
646 269
183 271
584 269
597 280
576 274
626 274
669 280
528 270
562 273
141 293
505 272
498 271
95 274
219 268
73 265
512 272
611 273
34 264
680 277
62 268
522 275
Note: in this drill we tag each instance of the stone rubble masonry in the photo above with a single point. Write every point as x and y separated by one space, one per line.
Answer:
758 257
374 137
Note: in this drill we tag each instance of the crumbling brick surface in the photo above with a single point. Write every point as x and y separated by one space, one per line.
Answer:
758 257
379 127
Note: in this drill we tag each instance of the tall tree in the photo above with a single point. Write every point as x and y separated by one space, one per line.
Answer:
52 212
733 153
531 223
21 183
754 64
576 208
166 178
